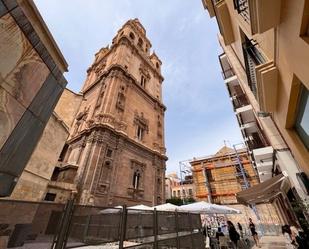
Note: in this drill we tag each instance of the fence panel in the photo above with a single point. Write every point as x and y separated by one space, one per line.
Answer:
140 226
94 225
28 224
166 222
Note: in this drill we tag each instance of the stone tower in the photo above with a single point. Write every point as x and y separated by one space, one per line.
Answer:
115 153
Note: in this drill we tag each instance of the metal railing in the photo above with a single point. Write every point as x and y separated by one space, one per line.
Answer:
228 73
240 101
59 226
242 7
253 57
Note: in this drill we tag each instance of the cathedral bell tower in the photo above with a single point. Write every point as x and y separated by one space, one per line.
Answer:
116 153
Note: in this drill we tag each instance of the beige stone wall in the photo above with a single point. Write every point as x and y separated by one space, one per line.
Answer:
33 182
292 71
68 106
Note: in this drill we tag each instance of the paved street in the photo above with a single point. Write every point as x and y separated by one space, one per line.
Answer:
273 242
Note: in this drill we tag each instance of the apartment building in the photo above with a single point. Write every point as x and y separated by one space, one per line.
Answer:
183 189
264 65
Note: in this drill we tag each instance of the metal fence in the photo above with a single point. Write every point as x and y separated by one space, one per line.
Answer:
26 223
34 225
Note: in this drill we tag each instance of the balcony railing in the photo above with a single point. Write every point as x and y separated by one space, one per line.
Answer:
242 7
240 101
260 15
228 73
253 58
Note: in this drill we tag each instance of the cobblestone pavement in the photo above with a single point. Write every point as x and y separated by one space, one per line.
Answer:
272 242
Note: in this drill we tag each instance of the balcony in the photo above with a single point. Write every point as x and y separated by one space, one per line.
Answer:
261 15
262 77
238 97
263 158
227 70
245 114
253 136
240 101
224 21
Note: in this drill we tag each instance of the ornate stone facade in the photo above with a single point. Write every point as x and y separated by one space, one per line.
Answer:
116 146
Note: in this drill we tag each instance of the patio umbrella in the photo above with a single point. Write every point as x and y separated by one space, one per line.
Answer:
166 207
204 207
140 207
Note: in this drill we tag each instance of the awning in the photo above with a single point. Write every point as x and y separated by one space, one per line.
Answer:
265 191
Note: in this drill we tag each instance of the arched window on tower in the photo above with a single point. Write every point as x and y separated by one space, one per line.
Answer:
140 43
132 36
143 81
136 179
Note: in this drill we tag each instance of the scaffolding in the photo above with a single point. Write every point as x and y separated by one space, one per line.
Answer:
216 172
224 174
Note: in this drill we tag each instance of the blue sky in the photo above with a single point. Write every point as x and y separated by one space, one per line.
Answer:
199 113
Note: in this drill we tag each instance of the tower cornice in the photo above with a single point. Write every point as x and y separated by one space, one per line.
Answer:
126 41
118 68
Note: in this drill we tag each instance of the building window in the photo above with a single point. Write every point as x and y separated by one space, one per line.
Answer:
141 125
50 197
136 179
139 133
190 192
140 43
242 7
55 174
184 193
132 36
302 118
174 193
143 81
109 152
178 193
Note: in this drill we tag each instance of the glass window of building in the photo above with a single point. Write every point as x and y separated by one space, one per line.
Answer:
302 118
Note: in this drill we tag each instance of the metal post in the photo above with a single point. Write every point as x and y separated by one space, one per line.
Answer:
181 183
176 225
123 226
247 185
209 197
242 171
65 223
191 229
155 228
